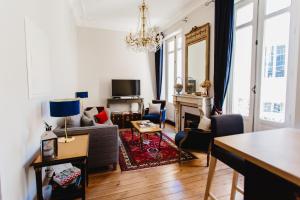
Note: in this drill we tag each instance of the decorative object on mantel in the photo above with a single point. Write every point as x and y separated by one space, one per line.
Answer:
178 86
191 85
205 86
146 38
65 108
48 145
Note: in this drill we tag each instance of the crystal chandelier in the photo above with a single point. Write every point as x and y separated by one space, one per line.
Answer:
146 38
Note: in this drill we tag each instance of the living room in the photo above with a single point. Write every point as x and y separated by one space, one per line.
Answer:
66 58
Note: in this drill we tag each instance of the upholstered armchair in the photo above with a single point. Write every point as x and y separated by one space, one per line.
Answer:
195 140
159 118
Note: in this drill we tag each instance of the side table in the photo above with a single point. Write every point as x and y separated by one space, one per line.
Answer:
75 152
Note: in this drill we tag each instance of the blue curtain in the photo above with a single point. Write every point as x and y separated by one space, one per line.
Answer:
159 70
224 27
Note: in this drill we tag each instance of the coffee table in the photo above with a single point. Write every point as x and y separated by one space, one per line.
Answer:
145 130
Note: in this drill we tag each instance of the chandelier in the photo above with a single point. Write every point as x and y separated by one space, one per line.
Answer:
146 38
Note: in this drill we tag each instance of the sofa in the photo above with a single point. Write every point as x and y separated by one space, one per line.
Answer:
103 143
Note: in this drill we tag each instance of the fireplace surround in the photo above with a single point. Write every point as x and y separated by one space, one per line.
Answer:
191 104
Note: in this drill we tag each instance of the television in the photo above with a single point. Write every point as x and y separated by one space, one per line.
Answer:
123 88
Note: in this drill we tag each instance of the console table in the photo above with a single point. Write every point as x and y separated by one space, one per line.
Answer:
75 152
140 102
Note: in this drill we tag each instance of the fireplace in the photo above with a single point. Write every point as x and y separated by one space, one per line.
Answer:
191 120
190 104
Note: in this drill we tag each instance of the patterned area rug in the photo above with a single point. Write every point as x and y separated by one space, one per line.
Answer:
132 157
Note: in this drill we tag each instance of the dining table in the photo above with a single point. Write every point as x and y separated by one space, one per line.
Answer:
272 162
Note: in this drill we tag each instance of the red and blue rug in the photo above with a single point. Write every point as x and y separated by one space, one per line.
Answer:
132 157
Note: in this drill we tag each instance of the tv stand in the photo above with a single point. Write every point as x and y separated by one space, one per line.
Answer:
140 102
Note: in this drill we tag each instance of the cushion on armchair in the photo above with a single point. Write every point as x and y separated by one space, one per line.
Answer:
154 108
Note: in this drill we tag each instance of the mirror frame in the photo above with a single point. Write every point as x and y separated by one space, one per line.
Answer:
197 34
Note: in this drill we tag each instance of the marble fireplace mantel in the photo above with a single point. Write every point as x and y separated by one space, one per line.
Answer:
203 104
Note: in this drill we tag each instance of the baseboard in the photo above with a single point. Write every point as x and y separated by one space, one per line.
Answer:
170 122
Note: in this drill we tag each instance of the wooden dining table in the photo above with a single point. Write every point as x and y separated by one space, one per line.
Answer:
272 161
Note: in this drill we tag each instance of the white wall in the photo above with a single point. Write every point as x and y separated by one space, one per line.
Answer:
199 17
103 55
21 118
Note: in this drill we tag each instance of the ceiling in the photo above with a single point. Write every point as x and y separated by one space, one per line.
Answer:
122 15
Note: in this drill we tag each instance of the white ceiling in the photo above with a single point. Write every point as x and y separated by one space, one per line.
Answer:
122 15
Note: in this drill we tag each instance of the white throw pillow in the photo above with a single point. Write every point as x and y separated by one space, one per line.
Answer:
91 113
154 108
205 124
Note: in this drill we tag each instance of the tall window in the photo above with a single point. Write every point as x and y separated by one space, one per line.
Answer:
173 65
242 59
260 62
275 44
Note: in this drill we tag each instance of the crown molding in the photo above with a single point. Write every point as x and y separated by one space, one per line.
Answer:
82 20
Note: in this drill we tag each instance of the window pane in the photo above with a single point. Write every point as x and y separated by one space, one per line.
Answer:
242 71
275 62
275 5
179 66
179 42
244 14
171 46
170 71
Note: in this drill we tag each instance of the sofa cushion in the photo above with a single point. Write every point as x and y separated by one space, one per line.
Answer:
91 113
101 117
72 121
85 121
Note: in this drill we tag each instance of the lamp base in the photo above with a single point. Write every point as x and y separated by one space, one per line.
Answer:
66 140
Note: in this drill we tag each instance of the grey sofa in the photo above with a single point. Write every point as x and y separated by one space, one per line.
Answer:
103 144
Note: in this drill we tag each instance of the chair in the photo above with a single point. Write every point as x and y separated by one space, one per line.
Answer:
193 139
225 125
157 118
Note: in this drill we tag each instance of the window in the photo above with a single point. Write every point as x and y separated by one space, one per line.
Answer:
274 86
280 61
242 60
173 65
267 107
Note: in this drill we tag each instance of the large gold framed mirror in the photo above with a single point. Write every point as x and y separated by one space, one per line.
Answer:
197 48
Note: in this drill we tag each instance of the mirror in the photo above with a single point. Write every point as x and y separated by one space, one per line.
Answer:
197 60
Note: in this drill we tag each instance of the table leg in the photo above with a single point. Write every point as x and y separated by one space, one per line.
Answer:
160 140
83 178
39 184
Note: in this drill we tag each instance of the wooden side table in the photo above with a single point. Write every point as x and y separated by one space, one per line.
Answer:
75 152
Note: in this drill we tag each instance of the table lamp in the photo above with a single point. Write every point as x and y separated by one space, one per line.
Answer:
82 95
65 108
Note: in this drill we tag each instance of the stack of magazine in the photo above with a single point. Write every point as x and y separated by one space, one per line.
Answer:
147 124
66 175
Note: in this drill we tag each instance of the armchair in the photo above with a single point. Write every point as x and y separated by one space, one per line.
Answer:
193 139
157 118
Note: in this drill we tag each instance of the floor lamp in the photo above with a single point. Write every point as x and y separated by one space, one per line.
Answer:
65 108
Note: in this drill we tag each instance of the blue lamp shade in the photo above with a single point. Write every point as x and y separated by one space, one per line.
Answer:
82 95
64 107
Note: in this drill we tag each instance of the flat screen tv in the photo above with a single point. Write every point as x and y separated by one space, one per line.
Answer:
123 88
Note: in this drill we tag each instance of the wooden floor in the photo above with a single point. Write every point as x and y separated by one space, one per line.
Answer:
175 181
